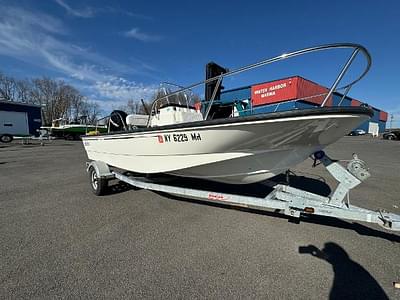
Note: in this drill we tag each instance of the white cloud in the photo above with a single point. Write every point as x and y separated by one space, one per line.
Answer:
86 12
141 36
131 14
89 12
42 21
83 71
35 38
120 88
23 34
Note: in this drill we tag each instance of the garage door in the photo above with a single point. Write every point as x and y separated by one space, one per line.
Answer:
14 123
373 128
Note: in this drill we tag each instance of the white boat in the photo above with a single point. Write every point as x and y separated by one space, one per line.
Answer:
182 141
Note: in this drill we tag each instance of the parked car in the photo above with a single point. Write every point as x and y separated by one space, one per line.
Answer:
357 132
392 135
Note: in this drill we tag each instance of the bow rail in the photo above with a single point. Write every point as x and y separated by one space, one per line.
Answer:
357 48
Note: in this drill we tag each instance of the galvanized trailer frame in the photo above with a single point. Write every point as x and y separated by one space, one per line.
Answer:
288 200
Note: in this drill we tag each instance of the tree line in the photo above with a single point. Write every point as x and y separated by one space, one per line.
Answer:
57 98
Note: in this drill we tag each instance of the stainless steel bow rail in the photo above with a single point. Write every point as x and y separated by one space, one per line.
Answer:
285 199
356 50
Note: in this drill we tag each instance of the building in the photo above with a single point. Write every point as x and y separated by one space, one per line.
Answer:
297 93
18 119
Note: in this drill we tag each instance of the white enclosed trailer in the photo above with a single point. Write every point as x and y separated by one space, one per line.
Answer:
18 119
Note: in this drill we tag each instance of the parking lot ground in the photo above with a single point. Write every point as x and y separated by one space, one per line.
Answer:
57 239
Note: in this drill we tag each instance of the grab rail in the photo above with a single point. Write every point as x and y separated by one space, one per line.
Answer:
357 49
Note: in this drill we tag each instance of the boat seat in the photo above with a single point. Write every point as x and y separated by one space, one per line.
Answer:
136 120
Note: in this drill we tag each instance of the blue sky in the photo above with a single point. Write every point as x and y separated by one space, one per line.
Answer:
116 50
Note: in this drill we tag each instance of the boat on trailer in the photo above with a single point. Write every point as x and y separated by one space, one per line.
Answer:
181 139
237 150
184 141
62 128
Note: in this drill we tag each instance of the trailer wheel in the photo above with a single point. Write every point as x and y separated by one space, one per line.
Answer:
68 137
6 138
99 185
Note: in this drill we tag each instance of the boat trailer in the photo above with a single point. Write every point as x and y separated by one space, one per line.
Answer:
288 200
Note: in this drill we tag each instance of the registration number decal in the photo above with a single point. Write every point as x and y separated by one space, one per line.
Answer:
179 137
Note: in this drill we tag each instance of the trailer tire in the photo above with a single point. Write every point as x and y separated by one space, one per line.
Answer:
6 138
68 137
98 184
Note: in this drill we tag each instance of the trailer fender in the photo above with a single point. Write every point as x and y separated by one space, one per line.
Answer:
102 169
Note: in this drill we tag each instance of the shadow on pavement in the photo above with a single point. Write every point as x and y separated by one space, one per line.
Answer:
351 280
357 227
118 187
261 190
313 219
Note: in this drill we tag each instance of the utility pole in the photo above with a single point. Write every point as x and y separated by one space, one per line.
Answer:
391 121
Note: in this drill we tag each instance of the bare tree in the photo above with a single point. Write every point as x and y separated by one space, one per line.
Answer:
57 99
45 92
92 111
7 88
136 107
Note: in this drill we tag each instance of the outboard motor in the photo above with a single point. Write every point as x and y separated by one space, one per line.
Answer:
118 121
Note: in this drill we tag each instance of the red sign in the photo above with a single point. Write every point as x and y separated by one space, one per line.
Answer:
160 139
383 116
355 102
273 92
293 88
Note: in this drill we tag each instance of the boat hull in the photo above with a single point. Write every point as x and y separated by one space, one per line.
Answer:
239 151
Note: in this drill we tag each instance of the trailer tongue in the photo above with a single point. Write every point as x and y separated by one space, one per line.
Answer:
288 200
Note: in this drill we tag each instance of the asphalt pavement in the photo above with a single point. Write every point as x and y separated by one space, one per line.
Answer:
58 240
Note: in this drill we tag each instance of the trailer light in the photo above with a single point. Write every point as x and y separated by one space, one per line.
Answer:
309 210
